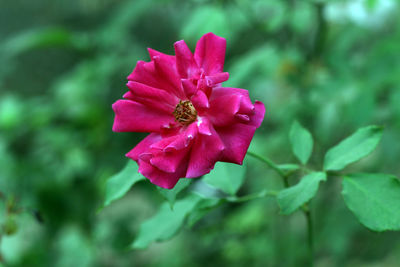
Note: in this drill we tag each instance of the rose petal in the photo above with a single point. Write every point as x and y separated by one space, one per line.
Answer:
246 107
200 100
188 87
169 161
178 141
236 139
158 177
210 53
131 116
222 110
146 73
152 97
259 113
204 125
206 150
185 62
170 59
216 79
143 146
169 74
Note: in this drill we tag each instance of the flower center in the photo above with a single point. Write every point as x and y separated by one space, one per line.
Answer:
185 113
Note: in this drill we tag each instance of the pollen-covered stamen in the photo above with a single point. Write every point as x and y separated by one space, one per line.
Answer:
185 113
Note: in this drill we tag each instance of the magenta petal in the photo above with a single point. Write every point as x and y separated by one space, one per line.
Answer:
210 53
169 161
206 150
185 62
128 95
178 141
216 79
154 53
204 125
143 146
131 116
246 107
158 177
146 73
188 87
152 97
168 74
236 138
223 109
200 100
259 113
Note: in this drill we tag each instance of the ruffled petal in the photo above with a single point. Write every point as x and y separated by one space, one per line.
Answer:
200 100
259 113
169 161
169 74
210 53
206 150
185 62
189 87
158 177
216 79
204 125
143 146
246 107
146 73
177 141
170 59
232 105
131 116
223 109
236 139
152 97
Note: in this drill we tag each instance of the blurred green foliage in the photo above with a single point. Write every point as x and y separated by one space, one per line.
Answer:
332 65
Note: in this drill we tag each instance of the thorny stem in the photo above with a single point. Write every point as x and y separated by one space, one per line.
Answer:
305 208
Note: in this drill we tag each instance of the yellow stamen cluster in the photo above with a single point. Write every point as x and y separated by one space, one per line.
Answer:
185 113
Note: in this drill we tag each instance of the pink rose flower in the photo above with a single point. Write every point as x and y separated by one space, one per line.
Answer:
193 121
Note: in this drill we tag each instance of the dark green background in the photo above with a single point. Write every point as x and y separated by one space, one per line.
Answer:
63 63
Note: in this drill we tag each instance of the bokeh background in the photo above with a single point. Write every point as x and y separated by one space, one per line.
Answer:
333 65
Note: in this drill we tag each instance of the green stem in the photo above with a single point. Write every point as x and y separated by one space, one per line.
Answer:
270 163
305 209
1 256
310 238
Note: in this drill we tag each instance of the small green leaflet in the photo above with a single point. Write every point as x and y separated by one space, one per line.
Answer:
353 148
294 197
374 199
302 142
119 184
171 194
227 177
166 223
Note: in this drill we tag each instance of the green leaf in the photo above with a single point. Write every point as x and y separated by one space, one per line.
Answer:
166 223
374 199
227 177
171 194
353 148
302 142
119 184
292 198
